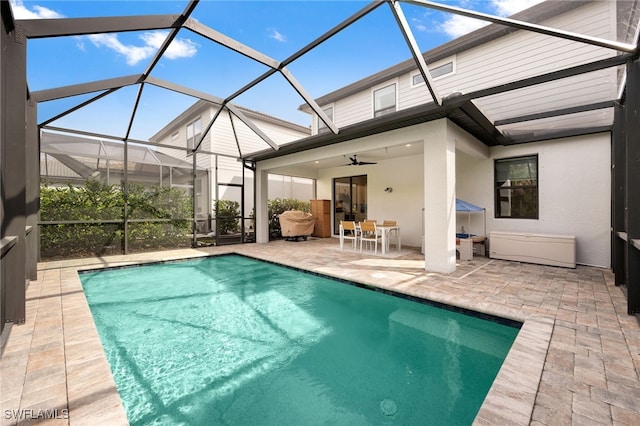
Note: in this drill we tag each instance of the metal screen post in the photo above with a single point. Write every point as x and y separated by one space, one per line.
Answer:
618 227
194 237
125 183
13 105
632 186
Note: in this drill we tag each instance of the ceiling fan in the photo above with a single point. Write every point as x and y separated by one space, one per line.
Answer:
355 162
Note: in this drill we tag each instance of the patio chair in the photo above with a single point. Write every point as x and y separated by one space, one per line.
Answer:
349 231
369 234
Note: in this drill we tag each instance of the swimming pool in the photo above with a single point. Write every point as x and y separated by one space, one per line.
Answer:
234 340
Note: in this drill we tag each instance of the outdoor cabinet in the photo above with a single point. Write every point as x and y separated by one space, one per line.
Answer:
320 209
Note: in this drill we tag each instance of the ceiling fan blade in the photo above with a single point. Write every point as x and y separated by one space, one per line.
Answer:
362 163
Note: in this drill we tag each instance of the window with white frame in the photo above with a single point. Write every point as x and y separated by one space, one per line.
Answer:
321 126
436 72
384 100
194 130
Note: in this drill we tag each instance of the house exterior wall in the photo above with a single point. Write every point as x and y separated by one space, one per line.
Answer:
404 204
518 55
574 185
223 139
574 188
404 174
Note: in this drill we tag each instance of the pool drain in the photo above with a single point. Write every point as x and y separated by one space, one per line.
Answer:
388 407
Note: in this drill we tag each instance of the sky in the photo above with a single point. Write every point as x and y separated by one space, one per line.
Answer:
277 29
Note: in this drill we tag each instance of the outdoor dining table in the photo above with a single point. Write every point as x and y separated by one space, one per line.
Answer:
384 231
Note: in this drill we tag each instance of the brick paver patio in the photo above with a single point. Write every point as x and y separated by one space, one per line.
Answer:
576 359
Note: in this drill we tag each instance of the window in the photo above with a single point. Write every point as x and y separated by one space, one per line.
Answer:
384 100
194 129
516 190
321 126
349 199
435 73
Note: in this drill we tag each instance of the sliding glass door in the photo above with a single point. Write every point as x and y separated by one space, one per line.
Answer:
349 199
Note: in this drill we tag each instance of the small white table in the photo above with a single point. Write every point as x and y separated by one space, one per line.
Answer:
385 231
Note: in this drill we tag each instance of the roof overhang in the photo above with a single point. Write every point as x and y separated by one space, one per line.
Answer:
464 114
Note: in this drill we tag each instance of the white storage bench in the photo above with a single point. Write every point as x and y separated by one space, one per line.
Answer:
544 249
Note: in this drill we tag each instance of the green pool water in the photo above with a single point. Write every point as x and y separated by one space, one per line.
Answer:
230 340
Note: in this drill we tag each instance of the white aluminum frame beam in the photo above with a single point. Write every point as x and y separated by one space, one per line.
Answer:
230 43
309 100
568 35
83 88
415 50
63 27
238 113
79 106
215 100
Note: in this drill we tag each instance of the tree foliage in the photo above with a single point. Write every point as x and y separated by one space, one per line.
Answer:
227 216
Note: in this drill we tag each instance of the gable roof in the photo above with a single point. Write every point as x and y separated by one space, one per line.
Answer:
201 105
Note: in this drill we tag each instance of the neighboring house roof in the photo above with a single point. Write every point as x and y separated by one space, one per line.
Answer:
202 105
534 14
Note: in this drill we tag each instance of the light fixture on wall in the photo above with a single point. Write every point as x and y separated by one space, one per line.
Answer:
388 189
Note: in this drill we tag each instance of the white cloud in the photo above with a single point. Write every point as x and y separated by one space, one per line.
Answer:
20 11
179 48
458 25
276 35
509 7
133 54
418 25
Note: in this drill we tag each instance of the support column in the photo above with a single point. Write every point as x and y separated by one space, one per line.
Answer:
632 186
13 98
618 173
262 207
440 200
32 190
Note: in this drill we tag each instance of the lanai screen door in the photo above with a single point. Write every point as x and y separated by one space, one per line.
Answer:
229 211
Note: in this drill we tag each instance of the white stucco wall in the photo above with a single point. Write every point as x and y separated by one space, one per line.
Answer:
404 203
403 174
574 186
574 192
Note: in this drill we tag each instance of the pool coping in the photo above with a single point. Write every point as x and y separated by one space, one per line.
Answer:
510 399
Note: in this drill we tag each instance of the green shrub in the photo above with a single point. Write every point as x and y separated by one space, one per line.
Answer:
227 216
100 201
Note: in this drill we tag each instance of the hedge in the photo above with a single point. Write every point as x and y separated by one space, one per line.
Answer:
99 201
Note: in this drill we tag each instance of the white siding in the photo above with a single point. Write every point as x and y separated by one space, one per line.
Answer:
181 142
513 57
224 141
354 109
411 95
